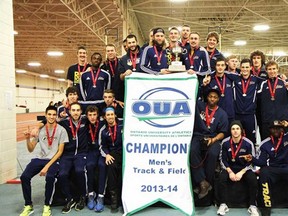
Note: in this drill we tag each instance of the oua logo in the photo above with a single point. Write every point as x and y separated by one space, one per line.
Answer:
162 107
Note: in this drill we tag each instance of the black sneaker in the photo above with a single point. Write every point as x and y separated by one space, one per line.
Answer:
80 204
69 205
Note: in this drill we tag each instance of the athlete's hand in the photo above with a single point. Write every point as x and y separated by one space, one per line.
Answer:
43 171
247 157
164 71
232 176
109 159
206 80
190 71
239 175
27 133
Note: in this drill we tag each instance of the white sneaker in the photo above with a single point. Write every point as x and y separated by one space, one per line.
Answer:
223 209
253 211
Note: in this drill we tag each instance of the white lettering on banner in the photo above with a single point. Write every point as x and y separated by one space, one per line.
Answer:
158 127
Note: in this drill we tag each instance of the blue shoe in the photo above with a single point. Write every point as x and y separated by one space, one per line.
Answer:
100 204
91 201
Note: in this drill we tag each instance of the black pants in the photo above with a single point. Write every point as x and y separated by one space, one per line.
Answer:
250 180
268 177
114 172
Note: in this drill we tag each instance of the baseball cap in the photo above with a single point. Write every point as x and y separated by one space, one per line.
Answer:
275 123
156 30
214 90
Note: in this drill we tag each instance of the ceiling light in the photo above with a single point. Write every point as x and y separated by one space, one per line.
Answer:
280 53
34 64
44 75
178 1
240 43
20 71
55 53
226 54
61 79
261 27
59 71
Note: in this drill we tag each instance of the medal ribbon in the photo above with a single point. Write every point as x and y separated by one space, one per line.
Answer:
245 85
191 57
212 54
278 143
113 68
209 117
94 79
74 132
272 91
233 152
93 132
84 68
133 58
50 139
113 135
222 88
157 54
255 73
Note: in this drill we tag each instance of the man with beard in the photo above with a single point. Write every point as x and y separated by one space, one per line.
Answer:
211 123
111 63
74 156
93 82
154 59
128 64
212 42
75 71
111 148
185 32
273 160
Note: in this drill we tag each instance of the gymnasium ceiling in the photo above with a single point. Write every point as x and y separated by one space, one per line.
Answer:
63 25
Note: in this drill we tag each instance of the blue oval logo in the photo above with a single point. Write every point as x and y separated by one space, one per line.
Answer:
162 107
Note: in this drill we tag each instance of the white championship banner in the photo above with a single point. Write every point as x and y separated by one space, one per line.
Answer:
159 120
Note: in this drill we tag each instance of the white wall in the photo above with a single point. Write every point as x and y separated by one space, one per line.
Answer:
32 91
8 151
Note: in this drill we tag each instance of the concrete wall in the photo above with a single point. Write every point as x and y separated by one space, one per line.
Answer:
8 152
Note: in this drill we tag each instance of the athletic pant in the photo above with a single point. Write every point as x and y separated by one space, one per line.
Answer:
78 163
203 167
269 176
114 172
250 180
32 169
94 158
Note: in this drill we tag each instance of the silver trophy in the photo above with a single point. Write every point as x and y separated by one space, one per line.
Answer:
177 66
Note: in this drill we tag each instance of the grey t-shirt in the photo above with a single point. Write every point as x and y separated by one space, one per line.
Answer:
60 136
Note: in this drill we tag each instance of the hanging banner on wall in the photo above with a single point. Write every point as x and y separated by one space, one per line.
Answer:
159 121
